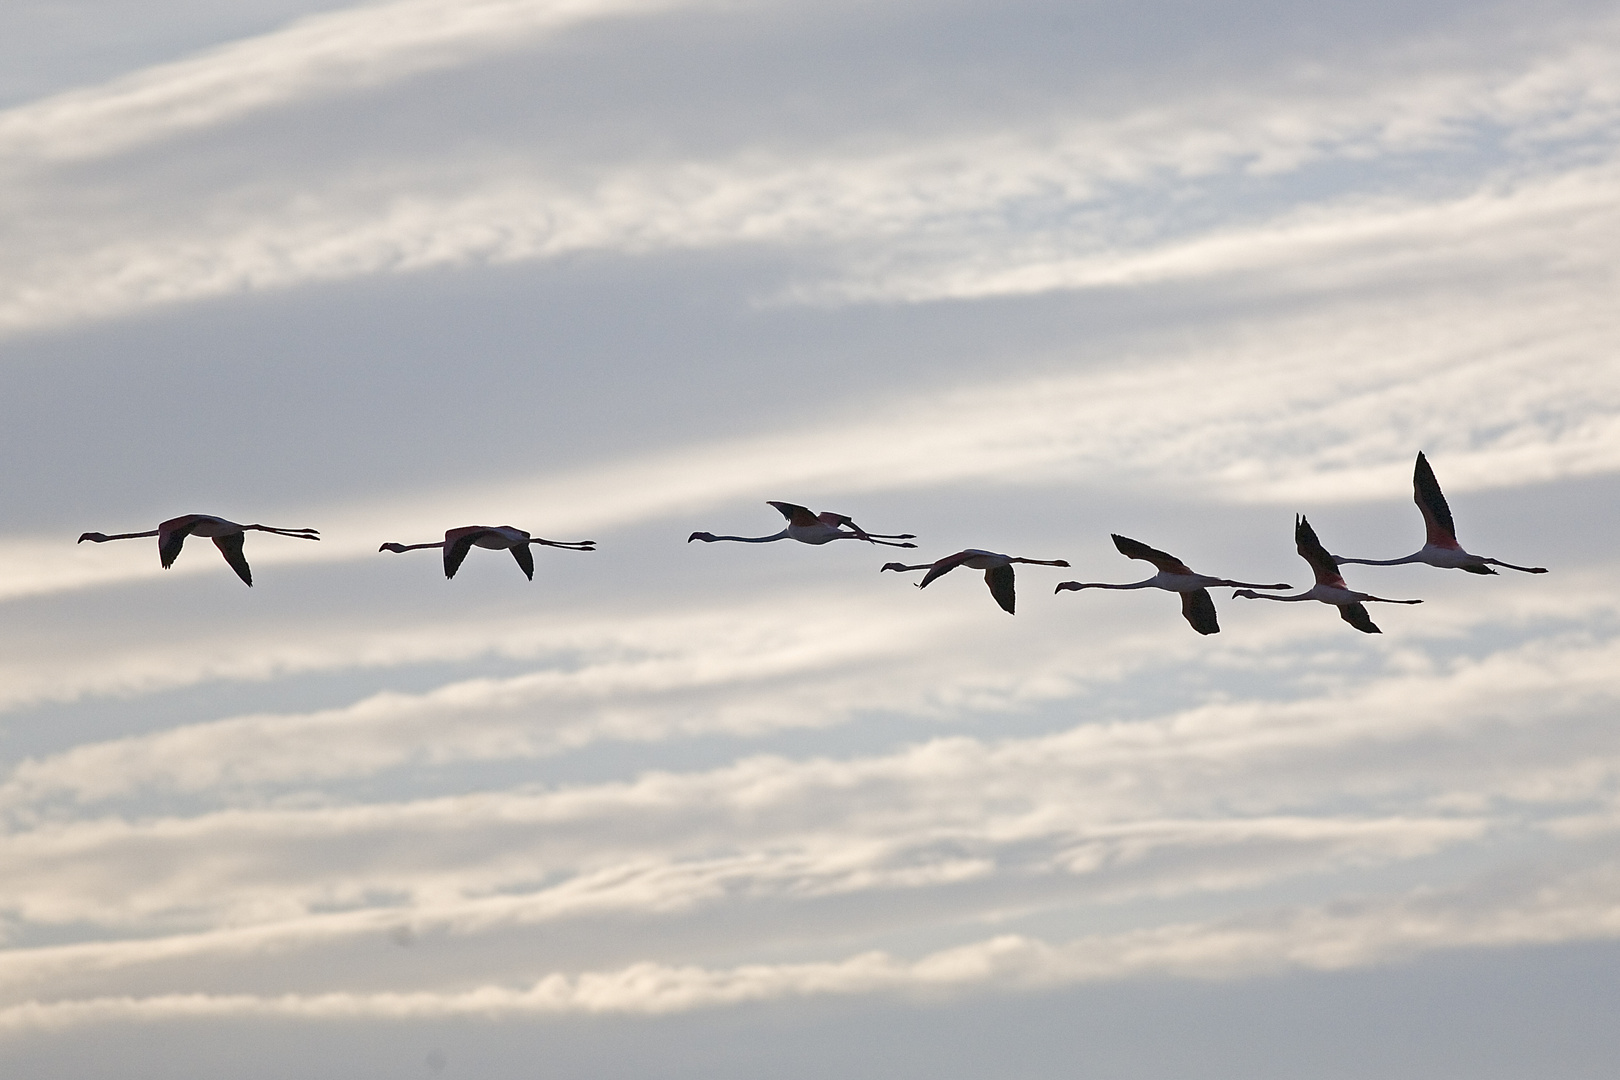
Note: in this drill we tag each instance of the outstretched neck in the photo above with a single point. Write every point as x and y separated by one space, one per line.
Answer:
1076 586
710 537
1414 557
102 538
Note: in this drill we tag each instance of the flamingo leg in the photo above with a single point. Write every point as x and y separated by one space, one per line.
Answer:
870 540
1525 569
302 534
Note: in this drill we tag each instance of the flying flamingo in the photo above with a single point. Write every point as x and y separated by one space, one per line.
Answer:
1330 587
1442 549
227 536
809 528
1173 576
998 571
457 542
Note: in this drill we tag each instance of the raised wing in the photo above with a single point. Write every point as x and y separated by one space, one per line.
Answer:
1436 512
1356 615
1311 550
827 517
796 514
525 559
944 566
457 542
230 546
1199 611
172 537
1135 549
1000 580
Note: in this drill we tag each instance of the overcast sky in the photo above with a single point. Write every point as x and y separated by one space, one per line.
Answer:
1012 275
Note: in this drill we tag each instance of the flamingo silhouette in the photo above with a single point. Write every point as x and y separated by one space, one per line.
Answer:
457 542
811 528
1441 548
998 571
1173 576
227 536
1330 587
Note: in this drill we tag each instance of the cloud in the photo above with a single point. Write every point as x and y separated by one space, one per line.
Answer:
1087 201
1351 935
743 667
856 788
358 49
1127 806
735 669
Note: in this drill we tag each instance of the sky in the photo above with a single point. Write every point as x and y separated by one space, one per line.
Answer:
1013 276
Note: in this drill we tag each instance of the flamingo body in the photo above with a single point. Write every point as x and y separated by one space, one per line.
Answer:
1197 607
998 571
1440 546
227 536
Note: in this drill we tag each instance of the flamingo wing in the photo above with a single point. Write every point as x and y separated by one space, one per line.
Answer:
1000 580
1311 550
457 542
172 536
1199 611
828 517
1356 615
1135 549
525 559
1436 512
230 546
944 566
796 514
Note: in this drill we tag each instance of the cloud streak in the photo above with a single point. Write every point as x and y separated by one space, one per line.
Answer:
1048 203
359 49
1574 908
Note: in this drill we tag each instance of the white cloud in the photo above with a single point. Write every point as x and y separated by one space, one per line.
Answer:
1044 202
357 49
736 670
1080 801
1576 907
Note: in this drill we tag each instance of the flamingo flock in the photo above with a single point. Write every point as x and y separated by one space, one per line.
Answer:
1441 549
